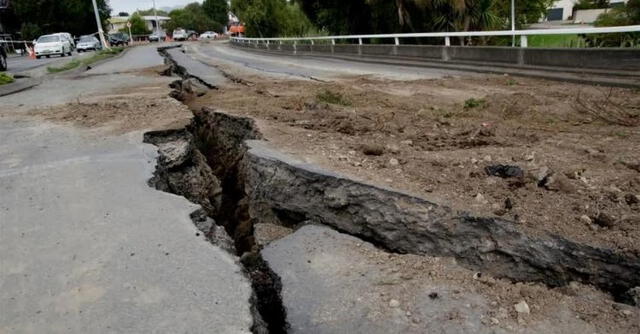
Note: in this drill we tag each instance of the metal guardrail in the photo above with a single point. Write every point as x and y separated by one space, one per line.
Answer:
447 35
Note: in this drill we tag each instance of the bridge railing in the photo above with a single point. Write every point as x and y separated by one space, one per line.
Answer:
523 34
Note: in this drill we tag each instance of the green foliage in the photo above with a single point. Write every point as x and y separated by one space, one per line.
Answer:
30 31
556 41
272 18
591 4
138 26
217 10
473 103
191 17
628 14
68 66
5 78
72 16
331 97
100 55
383 16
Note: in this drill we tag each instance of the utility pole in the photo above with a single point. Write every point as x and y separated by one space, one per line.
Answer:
513 23
155 13
99 23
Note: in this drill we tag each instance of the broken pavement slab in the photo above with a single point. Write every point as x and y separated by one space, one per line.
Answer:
335 283
88 246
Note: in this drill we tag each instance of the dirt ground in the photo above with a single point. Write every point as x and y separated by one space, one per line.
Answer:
552 310
577 147
122 110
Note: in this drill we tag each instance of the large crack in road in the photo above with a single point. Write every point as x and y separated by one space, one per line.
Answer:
221 162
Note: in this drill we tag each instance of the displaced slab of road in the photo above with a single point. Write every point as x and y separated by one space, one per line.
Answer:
291 67
86 246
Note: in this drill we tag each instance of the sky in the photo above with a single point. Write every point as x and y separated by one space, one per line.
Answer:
130 6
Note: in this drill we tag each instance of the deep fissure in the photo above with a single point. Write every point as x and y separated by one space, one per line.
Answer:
489 245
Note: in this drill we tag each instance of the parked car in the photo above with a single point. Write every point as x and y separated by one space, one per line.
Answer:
87 43
157 36
192 35
55 44
209 35
119 39
68 37
3 58
180 35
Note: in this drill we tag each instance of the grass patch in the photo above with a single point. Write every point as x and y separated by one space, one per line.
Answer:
100 55
555 41
6 79
330 97
473 103
68 66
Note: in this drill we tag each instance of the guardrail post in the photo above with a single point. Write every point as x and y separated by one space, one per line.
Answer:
523 41
446 48
395 46
359 46
295 47
333 43
279 45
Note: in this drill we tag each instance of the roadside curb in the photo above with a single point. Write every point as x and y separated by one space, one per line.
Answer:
19 86
83 68
540 73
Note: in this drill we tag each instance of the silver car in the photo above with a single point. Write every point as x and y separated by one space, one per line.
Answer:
88 43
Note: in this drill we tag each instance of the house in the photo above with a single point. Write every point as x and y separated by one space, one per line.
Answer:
120 22
563 10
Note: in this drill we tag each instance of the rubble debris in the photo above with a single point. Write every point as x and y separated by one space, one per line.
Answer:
372 149
605 220
504 171
522 307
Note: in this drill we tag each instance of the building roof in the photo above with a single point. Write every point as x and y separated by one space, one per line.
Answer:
153 18
118 19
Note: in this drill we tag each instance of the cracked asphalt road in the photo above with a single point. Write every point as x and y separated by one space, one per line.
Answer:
86 246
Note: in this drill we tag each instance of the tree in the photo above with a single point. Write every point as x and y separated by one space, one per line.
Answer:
191 17
217 10
29 31
138 25
629 14
591 4
49 16
272 18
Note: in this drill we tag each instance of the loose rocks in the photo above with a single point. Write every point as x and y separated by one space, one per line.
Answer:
372 149
522 307
504 171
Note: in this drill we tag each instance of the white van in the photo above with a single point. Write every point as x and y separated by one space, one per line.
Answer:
69 38
49 45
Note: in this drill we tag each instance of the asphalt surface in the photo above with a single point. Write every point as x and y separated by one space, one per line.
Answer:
22 64
308 67
86 246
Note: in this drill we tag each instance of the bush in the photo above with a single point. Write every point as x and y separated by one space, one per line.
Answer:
5 78
473 103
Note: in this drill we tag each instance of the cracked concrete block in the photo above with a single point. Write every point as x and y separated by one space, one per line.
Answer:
335 283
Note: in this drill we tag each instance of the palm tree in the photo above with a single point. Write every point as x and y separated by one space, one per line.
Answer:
447 15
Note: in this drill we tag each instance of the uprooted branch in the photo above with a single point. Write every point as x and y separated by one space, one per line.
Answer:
607 110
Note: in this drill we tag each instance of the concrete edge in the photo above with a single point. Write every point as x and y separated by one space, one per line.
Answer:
539 73
19 86
83 68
